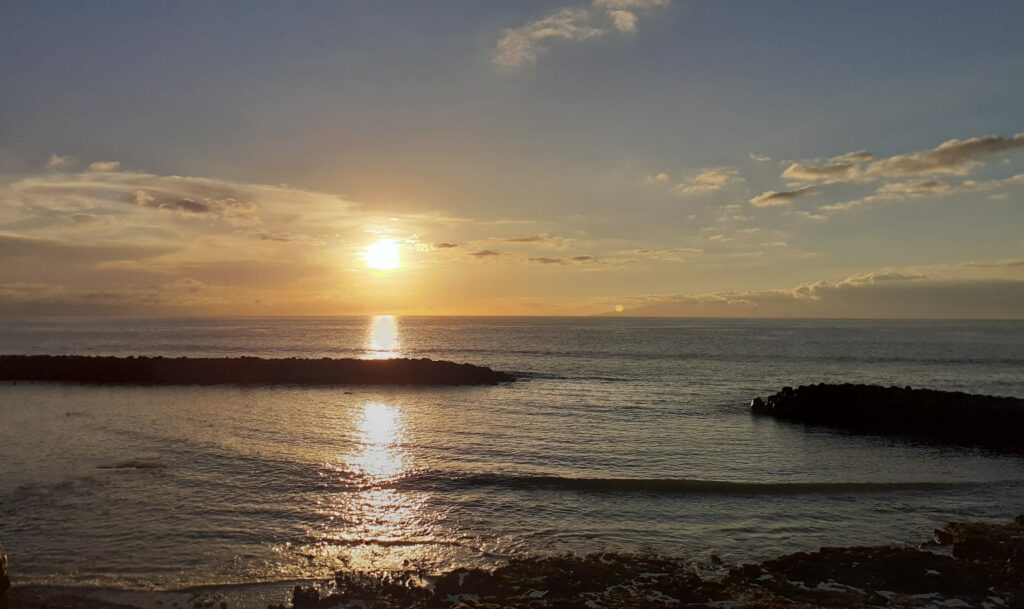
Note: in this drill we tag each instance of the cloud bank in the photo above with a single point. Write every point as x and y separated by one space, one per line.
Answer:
883 294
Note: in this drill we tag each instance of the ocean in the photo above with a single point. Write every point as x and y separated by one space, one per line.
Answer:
620 434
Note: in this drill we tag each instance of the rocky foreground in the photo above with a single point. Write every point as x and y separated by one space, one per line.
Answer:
966 565
242 371
946 416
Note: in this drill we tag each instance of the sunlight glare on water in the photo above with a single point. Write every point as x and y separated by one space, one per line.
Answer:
381 457
383 338
377 526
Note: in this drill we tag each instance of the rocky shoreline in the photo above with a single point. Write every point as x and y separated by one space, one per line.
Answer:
94 370
965 565
945 416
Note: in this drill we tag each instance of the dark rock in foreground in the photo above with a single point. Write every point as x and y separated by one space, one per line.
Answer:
948 416
242 371
991 574
980 565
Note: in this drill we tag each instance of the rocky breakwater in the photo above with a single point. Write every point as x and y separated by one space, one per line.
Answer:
946 416
242 371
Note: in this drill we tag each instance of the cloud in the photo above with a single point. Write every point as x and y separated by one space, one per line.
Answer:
832 172
183 294
101 166
772 198
582 259
485 253
223 207
1013 263
915 188
895 192
659 178
118 193
667 254
881 294
444 246
542 240
528 239
760 158
858 156
57 161
15 246
288 237
545 260
624 21
707 181
102 233
953 157
522 46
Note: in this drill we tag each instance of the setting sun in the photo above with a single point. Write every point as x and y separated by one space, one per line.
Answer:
382 255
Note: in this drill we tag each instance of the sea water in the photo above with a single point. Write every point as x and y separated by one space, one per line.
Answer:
621 434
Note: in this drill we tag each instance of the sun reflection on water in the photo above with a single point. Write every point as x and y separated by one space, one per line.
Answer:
380 434
372 523
382 340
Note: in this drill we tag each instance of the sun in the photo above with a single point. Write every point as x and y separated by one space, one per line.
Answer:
382 255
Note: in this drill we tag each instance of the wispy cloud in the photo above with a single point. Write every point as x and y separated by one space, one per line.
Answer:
773 198
101 166
707 181
895 192
953 158
522 46
57 161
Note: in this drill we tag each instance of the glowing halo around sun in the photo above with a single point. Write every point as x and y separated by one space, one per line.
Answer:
383 255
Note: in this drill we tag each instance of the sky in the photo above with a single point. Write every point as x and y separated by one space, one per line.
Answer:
625 157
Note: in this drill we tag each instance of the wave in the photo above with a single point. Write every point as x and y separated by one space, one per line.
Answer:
436 480
523 374
134 464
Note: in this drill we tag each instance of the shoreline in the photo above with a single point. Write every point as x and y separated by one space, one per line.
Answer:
965 565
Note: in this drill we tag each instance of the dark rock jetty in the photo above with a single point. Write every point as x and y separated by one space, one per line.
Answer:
947 416
242 371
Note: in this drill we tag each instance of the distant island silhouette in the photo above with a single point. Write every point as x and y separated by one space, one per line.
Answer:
141 370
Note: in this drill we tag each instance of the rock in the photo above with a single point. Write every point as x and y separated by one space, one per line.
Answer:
942 537
757 406
5 580
305 598
946 416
